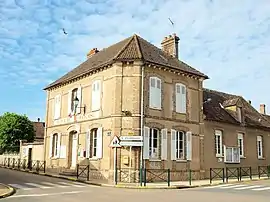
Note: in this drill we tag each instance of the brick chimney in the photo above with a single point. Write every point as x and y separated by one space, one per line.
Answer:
262 108
170 45
92 52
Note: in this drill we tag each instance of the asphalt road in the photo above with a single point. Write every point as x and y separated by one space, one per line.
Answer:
82 192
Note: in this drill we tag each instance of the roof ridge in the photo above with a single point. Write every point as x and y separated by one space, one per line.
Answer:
124 47
211 90
138 46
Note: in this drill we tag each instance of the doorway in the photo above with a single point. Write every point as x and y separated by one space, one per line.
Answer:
74 146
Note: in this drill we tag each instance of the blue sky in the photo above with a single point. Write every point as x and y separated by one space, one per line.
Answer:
227 40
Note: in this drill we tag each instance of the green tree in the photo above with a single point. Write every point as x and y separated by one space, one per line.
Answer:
13 128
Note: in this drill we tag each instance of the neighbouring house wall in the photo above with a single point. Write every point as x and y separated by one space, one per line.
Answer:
229 138
37 151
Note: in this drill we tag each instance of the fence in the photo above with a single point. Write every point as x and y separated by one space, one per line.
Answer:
238 173
17 163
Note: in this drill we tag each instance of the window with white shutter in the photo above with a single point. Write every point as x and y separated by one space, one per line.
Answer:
154 93
146 132
55 145
164 144
93 143
240 141
180 98
259 147
57 107
173 145
180 145
96 95
218 143
99 143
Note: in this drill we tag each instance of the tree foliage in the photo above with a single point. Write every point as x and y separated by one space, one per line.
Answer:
13 128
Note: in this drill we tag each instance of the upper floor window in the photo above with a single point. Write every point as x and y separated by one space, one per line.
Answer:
240 140
260 146
218 143
57 107
155 93
74 100
96 94
180 98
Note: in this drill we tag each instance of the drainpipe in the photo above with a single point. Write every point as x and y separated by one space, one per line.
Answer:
142 162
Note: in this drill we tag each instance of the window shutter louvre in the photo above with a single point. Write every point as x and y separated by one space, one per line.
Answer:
146 143
58 144
164 144
99 142
183 99
189 145
51 146
79 96
173 144
158 94
56 106
98 92
152 92
87 144
69 102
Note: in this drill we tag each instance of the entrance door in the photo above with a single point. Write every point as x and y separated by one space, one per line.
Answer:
74 150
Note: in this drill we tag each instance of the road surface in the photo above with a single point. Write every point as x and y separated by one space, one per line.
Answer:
45 189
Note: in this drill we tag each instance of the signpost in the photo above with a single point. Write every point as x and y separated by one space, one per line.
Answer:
115 144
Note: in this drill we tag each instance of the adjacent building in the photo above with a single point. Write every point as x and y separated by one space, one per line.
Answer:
133 88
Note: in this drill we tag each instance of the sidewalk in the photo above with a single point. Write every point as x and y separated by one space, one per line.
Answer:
160 185
6 191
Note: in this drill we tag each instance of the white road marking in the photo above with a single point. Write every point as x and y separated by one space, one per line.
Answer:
20 186
248 187
71 184
233 186
49 194
217 186
37 185
261 189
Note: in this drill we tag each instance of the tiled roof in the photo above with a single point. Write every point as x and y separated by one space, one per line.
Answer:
214 110
132 48
39 130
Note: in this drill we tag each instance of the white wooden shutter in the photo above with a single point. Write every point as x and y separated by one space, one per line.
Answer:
158 93
225 153
59 106
98 92
79 96
69 101
51 146
99 143
146 142
183 99
87 144
56 107
177 98
152 88
58 144
189 145
164 144
173 144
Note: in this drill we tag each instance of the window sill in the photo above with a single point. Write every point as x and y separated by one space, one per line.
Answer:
219 156
232 162
181 160
243 157
95 110
54 158
93 159
155 108
183 113
155 160
261 158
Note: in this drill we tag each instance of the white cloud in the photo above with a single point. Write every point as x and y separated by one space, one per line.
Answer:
228 40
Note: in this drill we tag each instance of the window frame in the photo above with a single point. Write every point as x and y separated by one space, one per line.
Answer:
179 106
259 142
155 91
178 142
240 136
73 96
93 143
151 144
218 133
233 160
